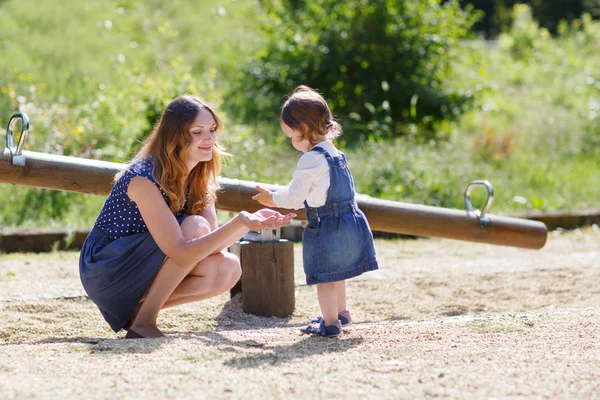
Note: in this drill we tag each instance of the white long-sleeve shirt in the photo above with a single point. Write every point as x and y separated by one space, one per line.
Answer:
310 181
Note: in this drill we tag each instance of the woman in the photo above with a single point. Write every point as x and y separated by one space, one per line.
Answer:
156 242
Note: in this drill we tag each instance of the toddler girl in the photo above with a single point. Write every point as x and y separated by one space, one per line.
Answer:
337 244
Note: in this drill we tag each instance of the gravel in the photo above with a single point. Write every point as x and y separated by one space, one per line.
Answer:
440 318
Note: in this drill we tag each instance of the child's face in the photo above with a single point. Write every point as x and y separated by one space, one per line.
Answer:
299 144
204 136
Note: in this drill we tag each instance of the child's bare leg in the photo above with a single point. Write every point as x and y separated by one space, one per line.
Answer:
340 287
327 294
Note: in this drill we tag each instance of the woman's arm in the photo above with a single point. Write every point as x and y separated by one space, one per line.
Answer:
210 214
166 231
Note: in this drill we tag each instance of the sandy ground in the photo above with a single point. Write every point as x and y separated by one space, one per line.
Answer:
440 318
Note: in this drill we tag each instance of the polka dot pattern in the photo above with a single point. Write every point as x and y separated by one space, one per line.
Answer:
120 216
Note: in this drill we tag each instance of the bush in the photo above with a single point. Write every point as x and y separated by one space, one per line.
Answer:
382 65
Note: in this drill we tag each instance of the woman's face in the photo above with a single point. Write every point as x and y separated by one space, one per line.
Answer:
299 144
204 135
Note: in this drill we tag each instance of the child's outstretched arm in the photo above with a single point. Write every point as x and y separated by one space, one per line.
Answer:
309 169
264 197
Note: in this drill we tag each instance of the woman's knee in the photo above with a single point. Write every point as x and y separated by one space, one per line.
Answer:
195 226
235 268
230 272
222 270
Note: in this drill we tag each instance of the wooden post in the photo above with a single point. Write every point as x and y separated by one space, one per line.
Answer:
267 282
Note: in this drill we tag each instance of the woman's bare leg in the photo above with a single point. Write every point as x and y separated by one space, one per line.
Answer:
174 285
211 277
169 276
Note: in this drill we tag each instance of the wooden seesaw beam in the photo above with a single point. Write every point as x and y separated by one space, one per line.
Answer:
96 177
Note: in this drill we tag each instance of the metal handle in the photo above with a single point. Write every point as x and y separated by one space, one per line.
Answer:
483 220
17 157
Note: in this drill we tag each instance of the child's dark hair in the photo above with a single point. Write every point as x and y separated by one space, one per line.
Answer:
307 112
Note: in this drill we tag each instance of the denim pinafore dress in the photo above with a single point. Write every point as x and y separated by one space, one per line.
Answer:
337 244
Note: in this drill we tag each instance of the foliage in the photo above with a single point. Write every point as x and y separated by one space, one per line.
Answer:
533 128
534 131
111 122
109 127
96 90
536 117
74 50
381 64
549 13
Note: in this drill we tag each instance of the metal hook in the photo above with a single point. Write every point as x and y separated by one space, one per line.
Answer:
483 220
17 157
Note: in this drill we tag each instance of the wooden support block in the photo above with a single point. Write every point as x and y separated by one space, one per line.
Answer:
267 282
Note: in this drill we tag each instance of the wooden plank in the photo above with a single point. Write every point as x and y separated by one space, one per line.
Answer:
92 176
41 240
566 219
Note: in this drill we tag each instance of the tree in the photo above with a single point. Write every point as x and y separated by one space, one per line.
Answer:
380 63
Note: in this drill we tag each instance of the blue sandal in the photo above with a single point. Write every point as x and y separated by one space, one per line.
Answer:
322 329
344 317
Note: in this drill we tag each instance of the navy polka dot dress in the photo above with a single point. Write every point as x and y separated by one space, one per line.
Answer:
119 258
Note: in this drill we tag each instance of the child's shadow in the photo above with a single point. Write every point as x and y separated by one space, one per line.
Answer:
276 355
233 318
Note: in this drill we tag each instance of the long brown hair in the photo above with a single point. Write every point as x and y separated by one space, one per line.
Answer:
307 112
168 144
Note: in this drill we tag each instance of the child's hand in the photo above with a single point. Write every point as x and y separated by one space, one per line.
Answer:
264 197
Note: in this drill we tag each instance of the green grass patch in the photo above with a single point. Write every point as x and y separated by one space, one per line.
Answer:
96 89
494 328
6 369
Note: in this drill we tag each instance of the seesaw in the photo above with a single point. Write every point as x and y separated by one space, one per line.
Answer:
267 261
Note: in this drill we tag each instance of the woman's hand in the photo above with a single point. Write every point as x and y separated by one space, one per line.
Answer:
265 219
264 197
281 219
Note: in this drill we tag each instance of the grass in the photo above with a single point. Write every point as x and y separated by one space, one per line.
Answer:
4 368
78 348
489 327
533 130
